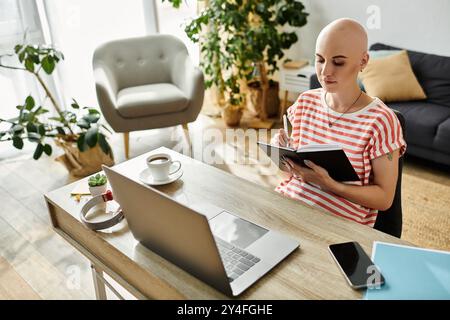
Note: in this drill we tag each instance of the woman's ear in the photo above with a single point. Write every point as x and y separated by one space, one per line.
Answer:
364 60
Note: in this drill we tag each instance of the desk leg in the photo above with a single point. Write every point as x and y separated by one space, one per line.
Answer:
100 289
100 283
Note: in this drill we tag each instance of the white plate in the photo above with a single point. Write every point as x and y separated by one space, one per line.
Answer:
146 177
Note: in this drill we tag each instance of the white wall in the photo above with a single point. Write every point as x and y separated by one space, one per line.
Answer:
412 24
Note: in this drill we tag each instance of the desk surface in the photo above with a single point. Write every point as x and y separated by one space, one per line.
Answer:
308 273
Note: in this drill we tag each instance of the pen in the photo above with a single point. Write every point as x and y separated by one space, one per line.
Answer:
285 125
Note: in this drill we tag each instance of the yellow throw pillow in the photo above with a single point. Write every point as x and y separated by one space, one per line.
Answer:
391 78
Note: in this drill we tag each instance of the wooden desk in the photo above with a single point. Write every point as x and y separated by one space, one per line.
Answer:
308 273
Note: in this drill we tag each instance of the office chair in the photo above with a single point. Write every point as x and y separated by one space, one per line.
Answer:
390 220
147 83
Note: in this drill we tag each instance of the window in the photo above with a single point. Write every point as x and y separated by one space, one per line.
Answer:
172 21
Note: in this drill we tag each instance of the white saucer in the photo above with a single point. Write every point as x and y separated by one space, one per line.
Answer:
146 177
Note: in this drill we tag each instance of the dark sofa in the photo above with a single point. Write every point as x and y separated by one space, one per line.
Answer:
427 121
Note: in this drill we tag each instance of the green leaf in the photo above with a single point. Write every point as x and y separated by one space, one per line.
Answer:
82 123
69 116
35 58
31 127
21 56
17 142
17 128
38 152
34 137
48 64
60 130
81 143
92 136
41 111
17 48
29 65
30 116
103 143
48 149
41 129
75 104
29 103
92 118
93 111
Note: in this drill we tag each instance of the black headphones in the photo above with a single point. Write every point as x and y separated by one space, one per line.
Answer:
115 219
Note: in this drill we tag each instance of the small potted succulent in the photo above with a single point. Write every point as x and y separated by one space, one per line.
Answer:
97 184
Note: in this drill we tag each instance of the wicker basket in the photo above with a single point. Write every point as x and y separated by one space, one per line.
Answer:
81 164
254 101
232 115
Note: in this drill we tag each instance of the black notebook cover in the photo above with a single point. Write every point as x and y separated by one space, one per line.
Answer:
334 161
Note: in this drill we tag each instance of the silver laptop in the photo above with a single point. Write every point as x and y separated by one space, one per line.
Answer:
216 246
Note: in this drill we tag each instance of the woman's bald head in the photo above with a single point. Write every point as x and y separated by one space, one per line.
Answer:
341 52
345 33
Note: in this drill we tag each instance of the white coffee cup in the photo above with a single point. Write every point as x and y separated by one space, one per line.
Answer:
159 165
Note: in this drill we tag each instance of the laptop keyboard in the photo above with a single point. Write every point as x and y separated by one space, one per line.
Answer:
236 261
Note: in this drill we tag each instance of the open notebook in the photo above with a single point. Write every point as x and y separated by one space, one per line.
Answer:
329 156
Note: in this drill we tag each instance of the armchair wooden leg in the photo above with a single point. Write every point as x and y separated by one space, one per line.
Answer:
126 142
188 138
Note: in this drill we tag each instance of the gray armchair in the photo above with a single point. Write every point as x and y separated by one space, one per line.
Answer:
147 83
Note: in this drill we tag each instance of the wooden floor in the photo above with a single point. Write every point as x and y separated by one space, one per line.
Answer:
35 262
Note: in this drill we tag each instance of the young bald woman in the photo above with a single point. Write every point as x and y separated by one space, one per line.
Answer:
340 113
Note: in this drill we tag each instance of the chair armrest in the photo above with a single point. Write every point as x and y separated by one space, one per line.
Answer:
189 79
106 88
186 76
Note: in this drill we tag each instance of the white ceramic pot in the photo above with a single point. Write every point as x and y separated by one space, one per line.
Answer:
97 190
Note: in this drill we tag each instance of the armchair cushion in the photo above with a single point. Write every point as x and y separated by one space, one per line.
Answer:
151 99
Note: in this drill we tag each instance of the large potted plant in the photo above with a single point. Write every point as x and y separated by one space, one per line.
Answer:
77 131
241 41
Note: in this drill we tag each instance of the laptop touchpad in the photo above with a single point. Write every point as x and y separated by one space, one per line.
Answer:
235 230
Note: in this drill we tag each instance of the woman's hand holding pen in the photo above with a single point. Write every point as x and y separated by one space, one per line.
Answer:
282 137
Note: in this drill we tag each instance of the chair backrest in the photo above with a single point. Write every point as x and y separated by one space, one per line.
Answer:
141 60
390 220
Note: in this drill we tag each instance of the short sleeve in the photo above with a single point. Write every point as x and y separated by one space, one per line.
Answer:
291 112
295 109
387 136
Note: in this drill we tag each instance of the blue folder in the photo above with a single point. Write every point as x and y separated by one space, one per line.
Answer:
411 273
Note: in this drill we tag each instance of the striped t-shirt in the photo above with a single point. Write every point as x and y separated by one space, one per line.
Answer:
364 135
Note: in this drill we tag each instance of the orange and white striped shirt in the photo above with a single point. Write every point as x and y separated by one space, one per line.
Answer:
364 135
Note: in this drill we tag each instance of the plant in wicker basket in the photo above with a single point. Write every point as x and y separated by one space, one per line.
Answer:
77 131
